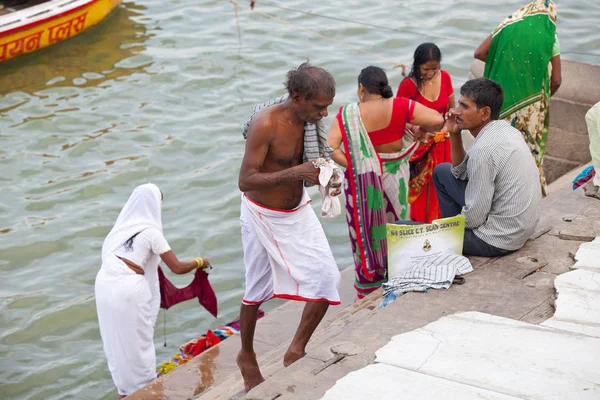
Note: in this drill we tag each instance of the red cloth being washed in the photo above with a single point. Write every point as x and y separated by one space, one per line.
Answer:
199 288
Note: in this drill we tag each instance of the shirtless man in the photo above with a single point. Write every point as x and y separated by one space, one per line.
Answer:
286 253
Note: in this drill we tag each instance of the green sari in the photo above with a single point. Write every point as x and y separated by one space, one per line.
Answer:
519 60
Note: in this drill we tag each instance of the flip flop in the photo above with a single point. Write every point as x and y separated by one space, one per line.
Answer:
458 280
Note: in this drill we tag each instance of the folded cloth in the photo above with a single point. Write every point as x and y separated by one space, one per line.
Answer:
199 288
584 176
286 254
433 273
315 136
329 175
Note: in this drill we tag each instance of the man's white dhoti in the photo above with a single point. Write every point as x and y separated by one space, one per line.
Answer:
287 255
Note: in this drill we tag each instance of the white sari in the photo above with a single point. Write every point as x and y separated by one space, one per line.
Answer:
128 303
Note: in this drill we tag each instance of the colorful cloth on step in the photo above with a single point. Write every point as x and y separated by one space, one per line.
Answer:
376 190
199 288
422 196
584 176
202 343
518 59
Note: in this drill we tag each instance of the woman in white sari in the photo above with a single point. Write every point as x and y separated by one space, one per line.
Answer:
127 288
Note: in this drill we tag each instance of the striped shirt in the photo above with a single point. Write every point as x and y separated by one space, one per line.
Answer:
502 198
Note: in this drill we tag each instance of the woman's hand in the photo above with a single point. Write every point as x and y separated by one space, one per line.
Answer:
202 263
206 264
421 135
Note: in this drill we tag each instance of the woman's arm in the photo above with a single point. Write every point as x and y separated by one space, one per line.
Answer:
556 78
428 119
182 267
482 50
334 140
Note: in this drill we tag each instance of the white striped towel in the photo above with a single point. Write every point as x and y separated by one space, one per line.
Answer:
434 273
315 137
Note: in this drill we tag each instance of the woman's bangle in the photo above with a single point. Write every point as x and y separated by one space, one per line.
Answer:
199 262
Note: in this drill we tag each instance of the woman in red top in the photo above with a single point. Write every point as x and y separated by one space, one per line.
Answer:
432 87
368 139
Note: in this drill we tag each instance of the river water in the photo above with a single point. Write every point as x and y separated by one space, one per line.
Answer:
158 92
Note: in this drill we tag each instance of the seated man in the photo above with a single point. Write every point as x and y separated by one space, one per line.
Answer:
495 184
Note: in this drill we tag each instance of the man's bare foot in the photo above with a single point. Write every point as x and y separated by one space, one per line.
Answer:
250 370
291 357
591 190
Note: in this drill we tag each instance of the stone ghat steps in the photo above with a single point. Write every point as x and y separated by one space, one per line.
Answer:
272 362
217 364
473 355
519 287
487 352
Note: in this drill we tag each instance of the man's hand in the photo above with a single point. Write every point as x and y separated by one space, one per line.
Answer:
308 172
450 125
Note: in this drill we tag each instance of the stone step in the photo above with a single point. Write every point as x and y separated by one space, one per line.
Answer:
474 355
578 293
218 364
569 115
576 89
568 145
503 286
272 362
555 167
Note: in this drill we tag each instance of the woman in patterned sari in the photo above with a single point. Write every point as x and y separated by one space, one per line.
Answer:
367 139
523 55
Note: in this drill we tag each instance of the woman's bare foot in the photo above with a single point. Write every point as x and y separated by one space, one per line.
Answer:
291 357
121 396
250 370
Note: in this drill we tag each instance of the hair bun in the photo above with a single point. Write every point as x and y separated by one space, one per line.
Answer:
387 92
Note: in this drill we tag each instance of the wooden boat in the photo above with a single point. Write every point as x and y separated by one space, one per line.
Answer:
29 25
